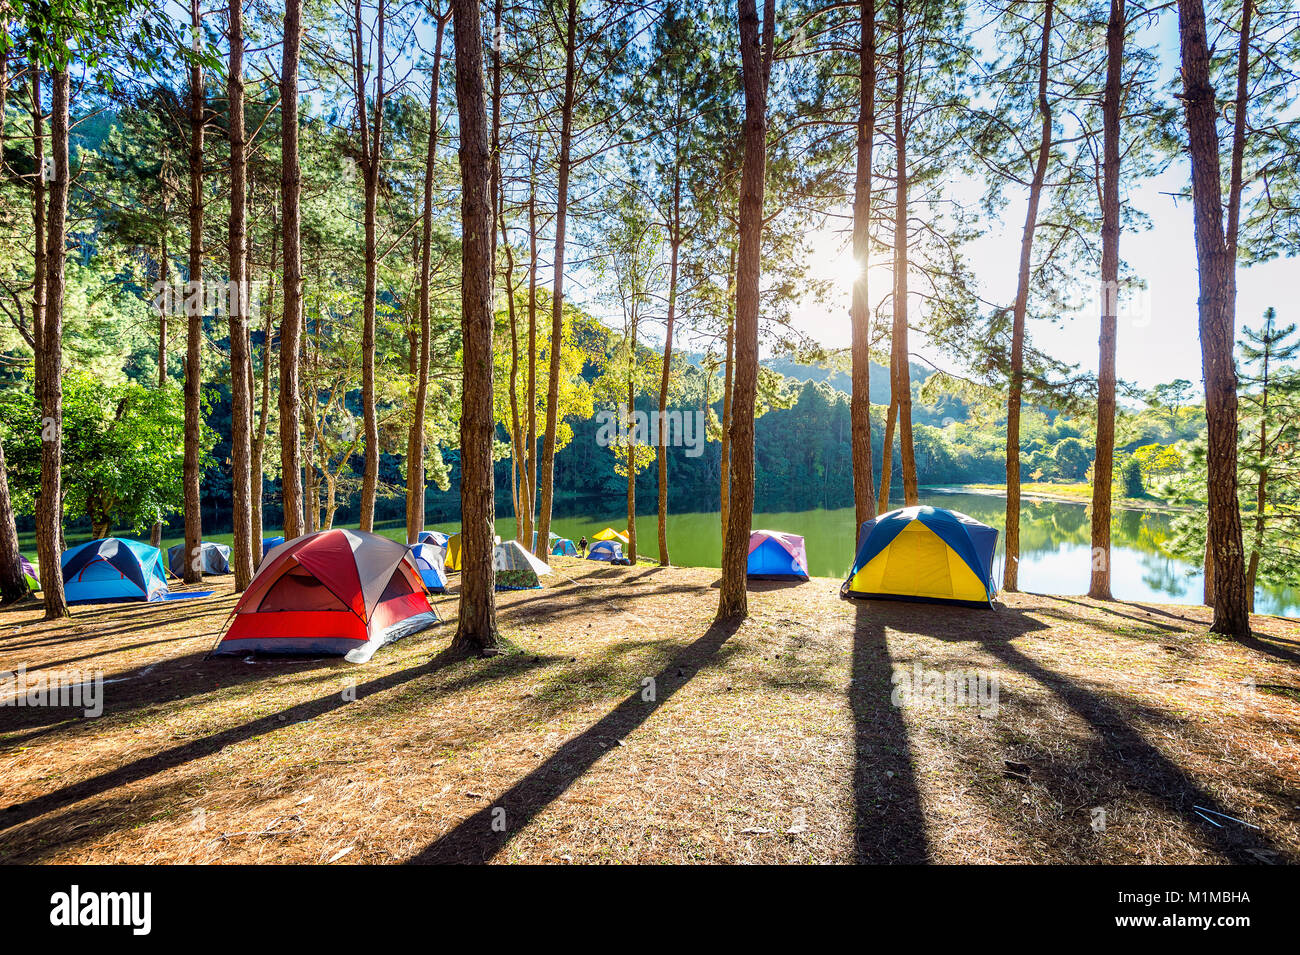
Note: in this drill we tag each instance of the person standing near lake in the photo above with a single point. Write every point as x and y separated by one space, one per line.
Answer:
582 547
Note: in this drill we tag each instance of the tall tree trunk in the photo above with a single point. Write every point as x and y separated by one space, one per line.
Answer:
864 481
756 61
477 628
675 241
1216 306
901 378
241 362
887 454
1103 467
415 440
193 503
1010 572
547 479
631 445
168 299
728 380
256 478
529 508
371 154
291 322
516 424
166 302
49 361
38 211
13 582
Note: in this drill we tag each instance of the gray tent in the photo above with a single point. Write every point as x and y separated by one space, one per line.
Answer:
215 557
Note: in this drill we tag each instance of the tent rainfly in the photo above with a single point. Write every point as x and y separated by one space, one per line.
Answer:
927 554
111 570
516 569
609 534
431 559
605 550
777 555
215 558
333 592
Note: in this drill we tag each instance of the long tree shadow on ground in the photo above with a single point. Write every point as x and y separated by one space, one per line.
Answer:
140 769
1142 767
889 824
1264 643
474 839
1135 762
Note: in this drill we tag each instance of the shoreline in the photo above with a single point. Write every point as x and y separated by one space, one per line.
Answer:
1030 493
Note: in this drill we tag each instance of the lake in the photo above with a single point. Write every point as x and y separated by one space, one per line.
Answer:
1055 542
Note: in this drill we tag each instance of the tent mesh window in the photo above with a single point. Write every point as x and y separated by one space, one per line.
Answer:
297 589
398 586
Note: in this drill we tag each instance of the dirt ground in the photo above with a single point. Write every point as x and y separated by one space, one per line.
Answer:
624 725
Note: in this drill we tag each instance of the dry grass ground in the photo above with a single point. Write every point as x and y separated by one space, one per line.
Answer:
774 741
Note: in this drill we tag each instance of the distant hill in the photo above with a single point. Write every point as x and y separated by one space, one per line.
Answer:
840 381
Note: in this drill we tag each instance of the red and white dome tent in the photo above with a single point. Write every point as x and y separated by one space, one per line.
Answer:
333 592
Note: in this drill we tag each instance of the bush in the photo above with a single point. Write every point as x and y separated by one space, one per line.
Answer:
1129 474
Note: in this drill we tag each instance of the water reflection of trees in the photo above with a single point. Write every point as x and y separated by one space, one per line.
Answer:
1167 575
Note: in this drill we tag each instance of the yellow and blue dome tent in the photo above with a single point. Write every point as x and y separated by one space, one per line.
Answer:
927 554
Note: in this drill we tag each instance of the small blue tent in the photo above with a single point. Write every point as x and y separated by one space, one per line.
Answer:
113 569
432 537
605 550
563 547
928 554
777 555
430 560
269 542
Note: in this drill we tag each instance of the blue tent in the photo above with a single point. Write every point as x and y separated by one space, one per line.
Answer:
563 547
269 542
777 555
432 537
928 554
605 550
430 559
112 569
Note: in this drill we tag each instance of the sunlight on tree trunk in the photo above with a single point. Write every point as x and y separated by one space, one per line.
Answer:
1011 569
49 362
756 62
1217 305
864 481
291 323
1104 463
477 628
241 369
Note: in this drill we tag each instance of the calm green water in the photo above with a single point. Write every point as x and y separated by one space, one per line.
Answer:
1055 543
1054 539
